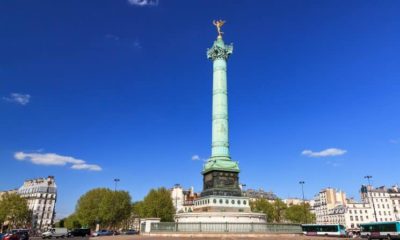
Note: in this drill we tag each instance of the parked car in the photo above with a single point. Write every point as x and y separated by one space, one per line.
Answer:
130 232
55 232
102 233
80 232
23 234
16 234
10 236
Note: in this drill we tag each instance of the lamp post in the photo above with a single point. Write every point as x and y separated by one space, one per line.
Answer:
243 188
368 177
116 180
304 202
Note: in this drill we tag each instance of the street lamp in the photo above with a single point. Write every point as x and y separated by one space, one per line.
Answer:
116 180
368 177
304 202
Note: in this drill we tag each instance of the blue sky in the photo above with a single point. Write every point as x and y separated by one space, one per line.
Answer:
125 87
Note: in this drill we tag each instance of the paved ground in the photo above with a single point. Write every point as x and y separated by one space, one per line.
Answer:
279 237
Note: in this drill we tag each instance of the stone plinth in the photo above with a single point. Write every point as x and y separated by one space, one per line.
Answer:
221 209
220 217
216 203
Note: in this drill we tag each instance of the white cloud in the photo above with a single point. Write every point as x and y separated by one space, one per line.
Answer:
333 163
90 167
143 3
136 44
18 98
49 159
196 157
112 37
330 152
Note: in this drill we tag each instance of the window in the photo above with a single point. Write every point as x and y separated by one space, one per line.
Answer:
356 218
350 211
355 211
214 200
227 201
361 218
351 219
238 202
244 202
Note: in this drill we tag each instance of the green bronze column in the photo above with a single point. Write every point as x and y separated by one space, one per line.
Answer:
219 53
220 158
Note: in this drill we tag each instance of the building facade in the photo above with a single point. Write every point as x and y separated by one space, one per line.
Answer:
325 201
182 199
259 194
377 205
41 194
381 201
351 215
394 194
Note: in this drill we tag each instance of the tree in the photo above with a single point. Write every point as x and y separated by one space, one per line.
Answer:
138 209
14 209
299 214
103 206
157 203
60 224
115 208
279 209
263 206
72 222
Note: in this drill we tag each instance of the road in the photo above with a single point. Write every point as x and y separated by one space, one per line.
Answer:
225 237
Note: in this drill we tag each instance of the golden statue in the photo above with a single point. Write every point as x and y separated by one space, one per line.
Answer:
219 24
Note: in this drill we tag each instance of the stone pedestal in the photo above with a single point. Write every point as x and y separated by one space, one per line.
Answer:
220 217
221 209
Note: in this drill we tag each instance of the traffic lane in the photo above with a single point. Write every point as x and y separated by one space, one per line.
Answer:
66 238
225 237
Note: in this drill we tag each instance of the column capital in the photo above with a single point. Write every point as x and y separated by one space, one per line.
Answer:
219 50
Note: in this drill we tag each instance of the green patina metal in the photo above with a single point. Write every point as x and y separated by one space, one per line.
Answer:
220 159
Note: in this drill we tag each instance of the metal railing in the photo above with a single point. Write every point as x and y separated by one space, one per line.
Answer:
226 227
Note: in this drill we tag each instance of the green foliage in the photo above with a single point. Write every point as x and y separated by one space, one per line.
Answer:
157 203
278 211
72 222
138 209
14 209
60 224
263 206
299 214
103 206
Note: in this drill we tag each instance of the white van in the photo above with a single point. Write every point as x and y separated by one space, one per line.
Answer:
55 232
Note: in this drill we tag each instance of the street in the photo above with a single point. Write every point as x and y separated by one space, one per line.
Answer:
226 237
